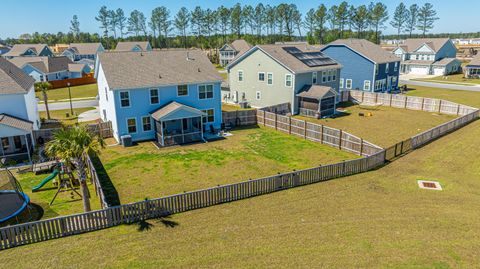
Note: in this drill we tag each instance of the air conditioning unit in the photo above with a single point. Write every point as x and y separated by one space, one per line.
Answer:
126 140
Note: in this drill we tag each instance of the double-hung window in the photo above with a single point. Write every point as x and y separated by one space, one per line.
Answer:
314 78
182 90
324 76
270 78
146 124
288 80
329 75
154 96
341 83
125 99
366 85
258 95
240 76
334 75
132 125
205 91
348 84
210 117
261 76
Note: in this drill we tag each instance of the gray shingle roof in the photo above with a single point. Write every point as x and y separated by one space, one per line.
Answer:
19 49
367 49
43 64
475 61
291 62
127 70
86 48
128 46
15 122
13 80
412 44
316 92
171 108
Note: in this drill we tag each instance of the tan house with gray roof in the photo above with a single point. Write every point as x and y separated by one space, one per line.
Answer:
268 75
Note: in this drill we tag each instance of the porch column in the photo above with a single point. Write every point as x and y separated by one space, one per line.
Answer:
1 147
201 126
183 133
28 148
163 136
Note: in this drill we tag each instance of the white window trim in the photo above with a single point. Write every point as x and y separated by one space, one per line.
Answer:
369 85
106 94
238 76
341 83
269 73
205 111
213 91
258 95
188 91
136 125
129 99
315 75
150 94
258 76
346 84
151 125
291 80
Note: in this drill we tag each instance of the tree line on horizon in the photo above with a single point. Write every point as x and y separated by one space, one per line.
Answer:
211 28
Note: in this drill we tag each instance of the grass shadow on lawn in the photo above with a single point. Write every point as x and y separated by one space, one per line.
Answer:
111 194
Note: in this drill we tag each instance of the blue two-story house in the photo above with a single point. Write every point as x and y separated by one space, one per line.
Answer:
366 66
172 97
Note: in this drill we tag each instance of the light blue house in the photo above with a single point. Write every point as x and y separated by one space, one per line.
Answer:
172 97
28 50
80 51
18 113
366 66
50 68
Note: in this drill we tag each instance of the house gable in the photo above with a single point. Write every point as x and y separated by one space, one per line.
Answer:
424 49
226 47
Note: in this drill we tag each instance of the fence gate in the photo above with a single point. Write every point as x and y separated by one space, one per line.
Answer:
398 150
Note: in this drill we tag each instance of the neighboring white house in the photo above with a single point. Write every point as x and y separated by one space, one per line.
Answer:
428 56
18 112
233 50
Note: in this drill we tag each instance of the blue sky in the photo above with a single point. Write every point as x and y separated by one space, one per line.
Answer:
27 16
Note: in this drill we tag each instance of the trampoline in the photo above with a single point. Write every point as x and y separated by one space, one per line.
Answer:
13 201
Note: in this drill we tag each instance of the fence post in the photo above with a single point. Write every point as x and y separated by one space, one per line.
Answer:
361 146
289 125
363 96
321 134
340 140
305 129
406 101
440 106
423 103
264 117
276 121
376 98
458 109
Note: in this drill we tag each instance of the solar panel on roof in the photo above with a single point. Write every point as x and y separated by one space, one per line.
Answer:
311 58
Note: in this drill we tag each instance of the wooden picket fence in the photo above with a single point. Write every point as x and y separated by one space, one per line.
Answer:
317 133
95 181
411 102
103 129
43 230
239 118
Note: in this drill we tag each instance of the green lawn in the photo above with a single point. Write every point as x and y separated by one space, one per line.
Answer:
61 116
143 171
462 97
84 91
387 126
63 205
231 107
379 219
452 79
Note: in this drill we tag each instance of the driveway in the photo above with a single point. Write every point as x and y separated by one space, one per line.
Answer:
441 85
66 105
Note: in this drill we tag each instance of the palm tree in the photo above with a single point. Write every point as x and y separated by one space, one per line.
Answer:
71 144
44 87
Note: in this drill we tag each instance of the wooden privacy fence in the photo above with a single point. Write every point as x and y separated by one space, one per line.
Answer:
239 117
103 129
43 230
318 133
73 82
411 102
95 181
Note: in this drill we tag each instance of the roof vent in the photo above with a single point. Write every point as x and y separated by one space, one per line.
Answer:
141 54
160 76
199 70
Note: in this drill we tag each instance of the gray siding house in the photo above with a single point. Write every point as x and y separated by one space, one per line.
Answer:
233 50
268 75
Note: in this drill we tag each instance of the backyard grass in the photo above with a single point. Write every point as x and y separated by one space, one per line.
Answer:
89 91
231 107
63 205
143 171
379 219
452 79
61 116
387 126
468 98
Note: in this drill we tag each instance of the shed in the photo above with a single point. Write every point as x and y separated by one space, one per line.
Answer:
317 101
